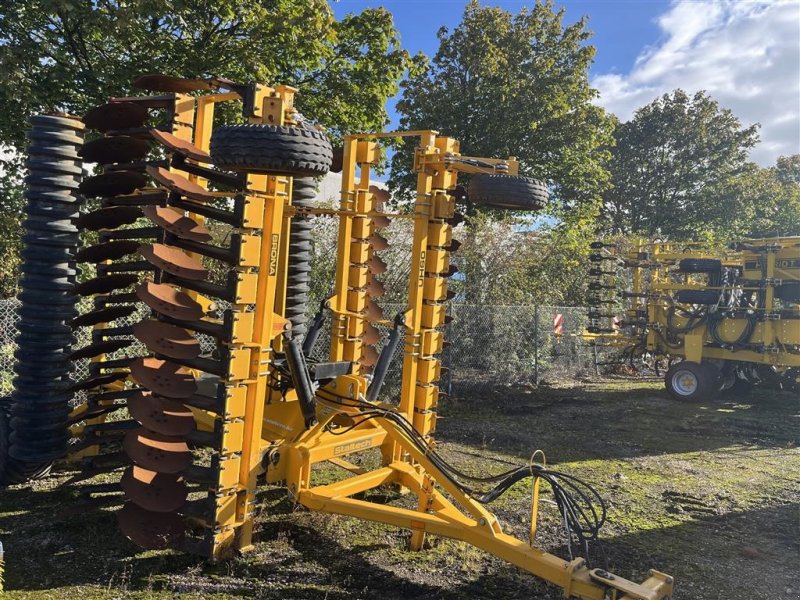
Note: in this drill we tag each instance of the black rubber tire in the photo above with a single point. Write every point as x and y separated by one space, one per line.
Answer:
700 265
508 192
789 292
706 382
705 297
256 148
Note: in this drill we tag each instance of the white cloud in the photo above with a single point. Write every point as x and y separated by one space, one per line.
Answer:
745 54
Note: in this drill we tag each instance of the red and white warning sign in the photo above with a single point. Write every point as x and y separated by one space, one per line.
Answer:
558 324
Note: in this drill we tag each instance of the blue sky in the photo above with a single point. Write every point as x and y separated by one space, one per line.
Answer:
745 53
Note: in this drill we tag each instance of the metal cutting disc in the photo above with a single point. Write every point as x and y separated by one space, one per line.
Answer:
106 283
166 339
157 452
107 251
163 377
169 301
174 261
376 265
375 289
180 146
161 415
157 82
143 197
115 115
381 195
103 315
179 183
371 335
116 149
374 312
112 183
158 492
98 380
108 218
99 348
149 529
380 221
378 242
369 356
176 222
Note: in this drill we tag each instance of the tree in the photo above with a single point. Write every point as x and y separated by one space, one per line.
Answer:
672 167
516 85
69 56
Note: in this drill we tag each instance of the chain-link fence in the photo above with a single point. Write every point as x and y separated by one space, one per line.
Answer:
486 347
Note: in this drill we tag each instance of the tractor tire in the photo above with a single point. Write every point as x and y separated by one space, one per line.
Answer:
255 148
789 292
692 382
699 265
13 471
706 297
508 192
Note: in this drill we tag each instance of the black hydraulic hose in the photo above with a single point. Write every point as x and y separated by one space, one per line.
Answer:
301 380
298 275
385 359
40 402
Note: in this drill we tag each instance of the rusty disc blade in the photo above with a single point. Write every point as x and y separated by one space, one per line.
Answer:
163 377
116 149
166 339
98 380
380 221
382 196
157 452
373 311
116 115
376 265
174 261
161 415
107 251
103 315
149 529
156 82
176 144
371 335
369 356
169 301
158 492
453 246
179 183
99 348
378 242
108 218
375 289
112 183
450 272
177 223
105 284
143 197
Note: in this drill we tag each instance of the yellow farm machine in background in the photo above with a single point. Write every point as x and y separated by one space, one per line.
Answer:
201 232
722 319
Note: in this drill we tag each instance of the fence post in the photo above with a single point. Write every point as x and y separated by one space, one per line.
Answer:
536 344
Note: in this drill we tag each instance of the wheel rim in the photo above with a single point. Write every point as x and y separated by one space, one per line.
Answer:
684 382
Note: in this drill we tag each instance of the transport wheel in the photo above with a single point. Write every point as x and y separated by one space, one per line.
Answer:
298 151
508 192
697 297
699 265
692 382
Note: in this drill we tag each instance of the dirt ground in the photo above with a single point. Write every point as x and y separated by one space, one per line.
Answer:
706 492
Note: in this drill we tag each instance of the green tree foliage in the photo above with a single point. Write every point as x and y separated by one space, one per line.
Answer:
59 55
513 84
672 168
